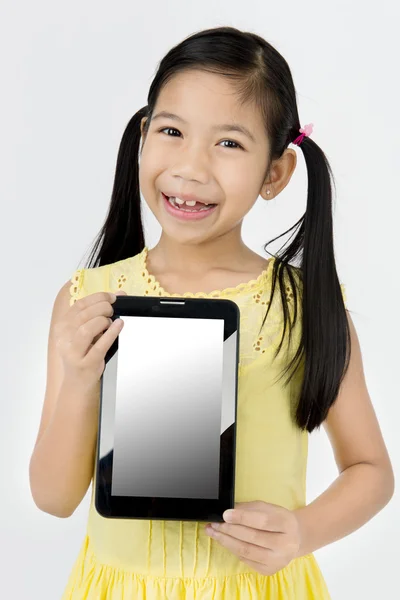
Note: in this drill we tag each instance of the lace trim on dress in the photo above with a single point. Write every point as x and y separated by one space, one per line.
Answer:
155 287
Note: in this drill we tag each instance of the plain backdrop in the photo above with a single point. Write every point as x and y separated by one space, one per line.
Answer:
72 75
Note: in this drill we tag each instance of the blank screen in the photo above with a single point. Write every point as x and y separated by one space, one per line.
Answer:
168 395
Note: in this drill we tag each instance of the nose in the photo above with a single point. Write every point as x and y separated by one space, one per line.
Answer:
192 164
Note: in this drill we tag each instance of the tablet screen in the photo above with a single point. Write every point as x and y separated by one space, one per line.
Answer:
168 398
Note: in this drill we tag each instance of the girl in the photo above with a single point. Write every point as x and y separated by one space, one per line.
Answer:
296 370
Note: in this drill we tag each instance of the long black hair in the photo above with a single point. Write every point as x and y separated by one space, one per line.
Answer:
260 74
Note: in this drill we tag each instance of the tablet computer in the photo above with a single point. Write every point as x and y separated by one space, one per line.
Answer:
166 444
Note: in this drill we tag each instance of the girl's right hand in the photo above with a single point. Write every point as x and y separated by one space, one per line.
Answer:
84 336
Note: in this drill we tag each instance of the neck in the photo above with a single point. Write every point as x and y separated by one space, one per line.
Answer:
198 258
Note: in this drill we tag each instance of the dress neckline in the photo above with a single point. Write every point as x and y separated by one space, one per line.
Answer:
156 287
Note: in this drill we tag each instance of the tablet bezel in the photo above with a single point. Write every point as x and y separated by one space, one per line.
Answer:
188 509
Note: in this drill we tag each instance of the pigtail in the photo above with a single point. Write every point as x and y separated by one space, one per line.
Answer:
122 233
326 331
324 349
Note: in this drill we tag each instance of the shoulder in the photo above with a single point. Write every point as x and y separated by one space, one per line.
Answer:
88 280
112 277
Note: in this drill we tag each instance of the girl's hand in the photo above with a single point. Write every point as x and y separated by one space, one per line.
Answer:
264 536
84 336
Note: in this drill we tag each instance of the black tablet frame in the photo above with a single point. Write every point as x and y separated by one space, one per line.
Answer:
185 509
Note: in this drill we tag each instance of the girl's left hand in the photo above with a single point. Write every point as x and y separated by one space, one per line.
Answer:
264 536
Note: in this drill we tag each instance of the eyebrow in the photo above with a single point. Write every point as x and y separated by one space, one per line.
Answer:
223 127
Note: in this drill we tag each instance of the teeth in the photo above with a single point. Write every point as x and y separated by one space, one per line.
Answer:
171 201
178 202
187 202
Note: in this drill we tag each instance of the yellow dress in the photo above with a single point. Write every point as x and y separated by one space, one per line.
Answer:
123 559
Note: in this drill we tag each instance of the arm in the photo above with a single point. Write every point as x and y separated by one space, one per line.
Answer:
62 461
366 481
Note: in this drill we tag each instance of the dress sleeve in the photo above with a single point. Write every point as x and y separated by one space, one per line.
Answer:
77 285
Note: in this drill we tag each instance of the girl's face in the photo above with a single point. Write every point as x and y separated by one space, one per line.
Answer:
188 154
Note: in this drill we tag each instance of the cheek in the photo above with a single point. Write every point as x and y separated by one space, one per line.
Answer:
143 177
150 168
238 193
243 185
144 185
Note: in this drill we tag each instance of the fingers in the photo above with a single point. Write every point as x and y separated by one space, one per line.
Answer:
105 341
245 543
93 323
90 318
88 324
91 299
264 539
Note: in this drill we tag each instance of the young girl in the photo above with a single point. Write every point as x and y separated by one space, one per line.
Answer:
212 138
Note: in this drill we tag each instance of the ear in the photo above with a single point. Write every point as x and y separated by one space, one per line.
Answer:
142 123
281 172
143 137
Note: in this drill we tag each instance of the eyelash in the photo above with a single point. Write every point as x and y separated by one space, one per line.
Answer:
239 147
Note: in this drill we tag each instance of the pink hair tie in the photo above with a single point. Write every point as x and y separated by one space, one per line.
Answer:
305 131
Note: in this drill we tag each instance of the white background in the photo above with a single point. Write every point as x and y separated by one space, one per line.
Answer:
72 75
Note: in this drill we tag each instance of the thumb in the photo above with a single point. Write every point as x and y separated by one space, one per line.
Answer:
120 293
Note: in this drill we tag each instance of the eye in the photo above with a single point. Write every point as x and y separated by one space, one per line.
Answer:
237 146
232 142
169 129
